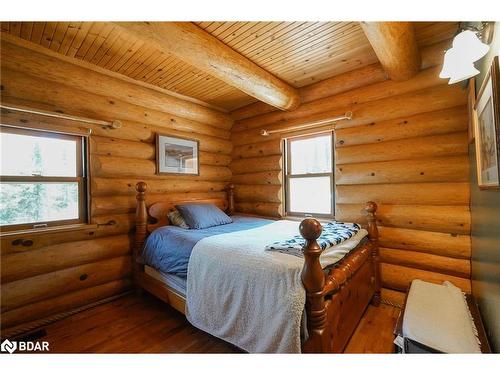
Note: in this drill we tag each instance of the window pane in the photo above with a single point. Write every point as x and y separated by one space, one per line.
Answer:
22 203
311 155
26 155
311 195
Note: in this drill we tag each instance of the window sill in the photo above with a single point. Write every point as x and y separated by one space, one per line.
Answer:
54 229
300 218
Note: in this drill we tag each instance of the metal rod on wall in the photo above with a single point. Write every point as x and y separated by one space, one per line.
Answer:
115 124
346 116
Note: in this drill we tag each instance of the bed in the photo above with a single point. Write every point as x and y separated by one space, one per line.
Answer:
224 278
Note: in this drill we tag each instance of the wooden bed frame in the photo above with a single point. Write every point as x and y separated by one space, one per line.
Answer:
335 299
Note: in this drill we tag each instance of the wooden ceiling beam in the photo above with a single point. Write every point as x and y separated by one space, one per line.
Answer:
432 55
200 49
396 47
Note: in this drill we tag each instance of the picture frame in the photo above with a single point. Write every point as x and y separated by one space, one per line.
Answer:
487 129
177 155
471 103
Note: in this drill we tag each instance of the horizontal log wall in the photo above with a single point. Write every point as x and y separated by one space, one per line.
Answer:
62 271
405 148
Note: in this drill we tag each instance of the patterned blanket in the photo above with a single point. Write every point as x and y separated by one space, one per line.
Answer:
334 233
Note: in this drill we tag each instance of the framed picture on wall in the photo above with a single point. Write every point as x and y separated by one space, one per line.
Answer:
487 131
471 103
176 155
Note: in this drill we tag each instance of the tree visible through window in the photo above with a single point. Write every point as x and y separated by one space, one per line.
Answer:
42 178
309 175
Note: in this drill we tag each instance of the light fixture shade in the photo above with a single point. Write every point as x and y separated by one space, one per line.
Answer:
447 64
463 73
459 60
470 46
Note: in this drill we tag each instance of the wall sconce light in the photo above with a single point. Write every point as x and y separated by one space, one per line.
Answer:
468 47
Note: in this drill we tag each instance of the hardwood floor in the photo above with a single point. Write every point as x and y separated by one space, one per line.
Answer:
374 332
134 324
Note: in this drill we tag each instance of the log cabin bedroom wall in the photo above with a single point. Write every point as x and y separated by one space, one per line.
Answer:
43 279
406 146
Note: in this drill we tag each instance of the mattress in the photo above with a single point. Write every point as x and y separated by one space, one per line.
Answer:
174 282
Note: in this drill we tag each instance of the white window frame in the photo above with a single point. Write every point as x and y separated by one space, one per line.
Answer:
288 175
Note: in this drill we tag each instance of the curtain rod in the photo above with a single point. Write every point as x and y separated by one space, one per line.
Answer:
115 124
346 116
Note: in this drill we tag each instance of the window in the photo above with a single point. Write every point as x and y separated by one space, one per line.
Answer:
309 175
42 180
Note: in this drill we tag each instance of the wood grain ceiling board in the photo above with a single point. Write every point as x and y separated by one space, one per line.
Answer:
433 32
299 53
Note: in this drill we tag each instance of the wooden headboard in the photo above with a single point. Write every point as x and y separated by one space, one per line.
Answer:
148 218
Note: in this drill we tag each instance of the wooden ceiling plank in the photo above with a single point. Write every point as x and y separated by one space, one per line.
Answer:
73 29
344 65
243 29
15 28
190 77
59 34
98 41
171 65
305 51
244 36
288 42
275 37
435 32
153 60
300 44
106 45
294 49
255 33
325 70
26 30
226 28
215 85
204 25
137 55
120 49
129 53
145 63
145 52
265 35
5 26
167 64
48 32
106 51
116 53
218 27
94 30
318 56
79 39
217 90
197 47
283 41
396 47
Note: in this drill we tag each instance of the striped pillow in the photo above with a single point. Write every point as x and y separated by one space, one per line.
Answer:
176 219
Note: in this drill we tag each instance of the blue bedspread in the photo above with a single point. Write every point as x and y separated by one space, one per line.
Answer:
168 248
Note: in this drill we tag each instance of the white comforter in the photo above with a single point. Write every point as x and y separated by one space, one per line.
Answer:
250 297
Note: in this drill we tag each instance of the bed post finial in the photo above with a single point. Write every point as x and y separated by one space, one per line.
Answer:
230 199
371 209
314 281
141 220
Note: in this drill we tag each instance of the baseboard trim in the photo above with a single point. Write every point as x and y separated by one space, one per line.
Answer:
23 329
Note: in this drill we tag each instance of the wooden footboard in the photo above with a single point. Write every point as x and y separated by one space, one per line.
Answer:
335 301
